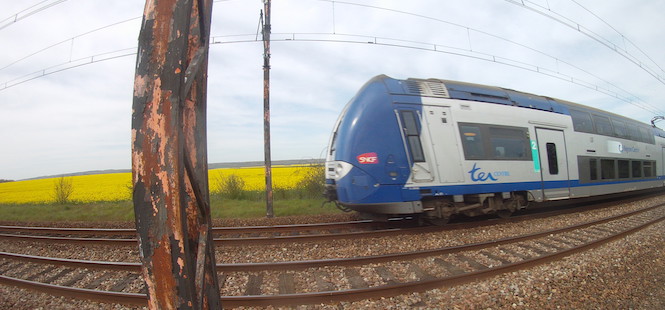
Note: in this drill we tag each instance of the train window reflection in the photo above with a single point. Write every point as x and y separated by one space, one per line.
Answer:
412 133
552 159
472 142
607 170
593 169
603 125
624 169
637 169
581 121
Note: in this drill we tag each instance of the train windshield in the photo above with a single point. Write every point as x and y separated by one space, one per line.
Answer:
333 137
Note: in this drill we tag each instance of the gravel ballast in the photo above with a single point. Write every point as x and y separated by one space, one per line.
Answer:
625 274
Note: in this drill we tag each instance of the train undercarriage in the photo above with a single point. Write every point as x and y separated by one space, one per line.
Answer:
439 210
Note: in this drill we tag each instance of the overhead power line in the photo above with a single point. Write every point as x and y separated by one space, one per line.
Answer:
620 34
547 12
67 40
25 13
75 63
544 11
617 92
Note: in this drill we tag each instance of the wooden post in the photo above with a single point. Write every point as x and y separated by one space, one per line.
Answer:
266 109
169 156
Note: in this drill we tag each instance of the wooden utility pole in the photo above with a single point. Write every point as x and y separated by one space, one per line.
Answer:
169 156
266 107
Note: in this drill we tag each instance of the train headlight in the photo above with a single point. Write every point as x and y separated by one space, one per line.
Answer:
338 169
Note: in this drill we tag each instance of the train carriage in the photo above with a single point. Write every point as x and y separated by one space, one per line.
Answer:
437 148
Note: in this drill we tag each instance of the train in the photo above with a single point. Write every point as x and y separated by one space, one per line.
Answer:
435 149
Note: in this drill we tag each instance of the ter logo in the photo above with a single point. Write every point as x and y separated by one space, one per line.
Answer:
368 158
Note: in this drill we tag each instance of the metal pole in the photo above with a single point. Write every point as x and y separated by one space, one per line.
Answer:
169 156
266 108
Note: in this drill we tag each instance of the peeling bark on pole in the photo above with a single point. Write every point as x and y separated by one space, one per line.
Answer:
266 109
169 156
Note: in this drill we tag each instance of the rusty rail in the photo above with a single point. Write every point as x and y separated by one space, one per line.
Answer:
371 231
352 261
377 291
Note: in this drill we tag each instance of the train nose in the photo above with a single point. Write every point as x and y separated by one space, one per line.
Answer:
355 184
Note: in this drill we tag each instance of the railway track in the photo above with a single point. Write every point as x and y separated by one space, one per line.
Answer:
334 280
257 235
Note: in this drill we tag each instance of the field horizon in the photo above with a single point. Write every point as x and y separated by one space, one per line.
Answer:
211 166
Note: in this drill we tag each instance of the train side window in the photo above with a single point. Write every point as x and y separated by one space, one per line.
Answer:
509 143
472 142
634 133
654 169
581 121
619 128
603 125
648 169
412 134
624 169
637 168
552 160
607 170
646 135
593 169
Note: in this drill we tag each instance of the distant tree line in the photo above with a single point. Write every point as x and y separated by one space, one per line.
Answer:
5 181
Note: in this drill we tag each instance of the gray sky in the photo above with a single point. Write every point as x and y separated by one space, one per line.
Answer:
79 119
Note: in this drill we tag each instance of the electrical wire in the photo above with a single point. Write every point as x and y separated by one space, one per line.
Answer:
357 39
620 34
69 65
592 35
547 8
620 94
12 19
352 38
67 40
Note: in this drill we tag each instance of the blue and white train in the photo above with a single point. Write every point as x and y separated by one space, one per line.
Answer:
436 148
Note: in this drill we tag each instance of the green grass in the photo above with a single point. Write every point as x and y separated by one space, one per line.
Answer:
88 212
124 210
256 209
229 201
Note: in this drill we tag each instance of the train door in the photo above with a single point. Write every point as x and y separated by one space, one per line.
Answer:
553 162
421 170
443 141
662 164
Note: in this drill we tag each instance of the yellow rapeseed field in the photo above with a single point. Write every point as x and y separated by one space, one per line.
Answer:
116 186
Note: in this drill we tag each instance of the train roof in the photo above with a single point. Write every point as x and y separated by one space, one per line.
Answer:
497 95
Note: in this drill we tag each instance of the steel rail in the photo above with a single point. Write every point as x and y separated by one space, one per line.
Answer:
350 261
136 299
70 230
354 261
75 263
419 286
335 296
49 239
298 227
298 238
215 230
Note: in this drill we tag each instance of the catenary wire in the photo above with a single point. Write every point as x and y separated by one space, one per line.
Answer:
14 18
350 39
589 33
592 35
67 40
620 34
639 103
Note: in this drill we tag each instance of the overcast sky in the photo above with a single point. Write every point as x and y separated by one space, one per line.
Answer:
79 119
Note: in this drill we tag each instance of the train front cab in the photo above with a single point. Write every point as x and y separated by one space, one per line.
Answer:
366 165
